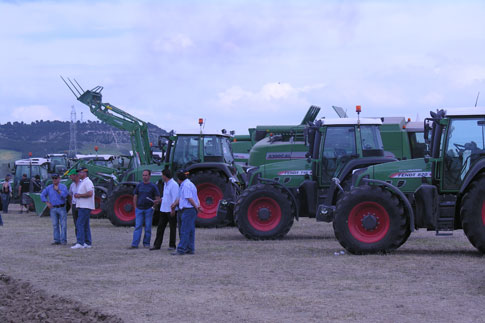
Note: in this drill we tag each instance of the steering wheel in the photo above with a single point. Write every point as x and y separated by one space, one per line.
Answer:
339 152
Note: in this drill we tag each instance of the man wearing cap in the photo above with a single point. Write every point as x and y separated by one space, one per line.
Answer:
170 195
145 195
55 196
84 204
188 204
24 188
73 190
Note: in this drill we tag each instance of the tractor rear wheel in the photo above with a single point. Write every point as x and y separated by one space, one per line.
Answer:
370 219
99 211
121 211
264 212
473 214
211 188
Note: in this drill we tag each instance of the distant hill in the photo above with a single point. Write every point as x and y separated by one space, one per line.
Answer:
42 137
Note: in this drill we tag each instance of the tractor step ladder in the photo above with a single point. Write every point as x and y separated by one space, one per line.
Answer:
445 222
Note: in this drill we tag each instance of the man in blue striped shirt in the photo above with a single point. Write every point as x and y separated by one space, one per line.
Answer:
188 204
55 196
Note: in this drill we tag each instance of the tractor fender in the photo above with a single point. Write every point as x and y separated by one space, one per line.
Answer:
101 188
473 173
223 168
400 195
286 189
479 167
347 170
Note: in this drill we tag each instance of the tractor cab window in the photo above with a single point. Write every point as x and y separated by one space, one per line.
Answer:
417 143
213 149
31 171
371 141
227 151
464 146
338 148
186 150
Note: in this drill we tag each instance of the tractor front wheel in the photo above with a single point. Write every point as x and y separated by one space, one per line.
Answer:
473 214
264 212
121 210
369 219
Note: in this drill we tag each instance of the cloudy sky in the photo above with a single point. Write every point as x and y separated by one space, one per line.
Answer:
240 64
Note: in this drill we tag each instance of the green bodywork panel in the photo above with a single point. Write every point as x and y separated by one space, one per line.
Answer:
290 173
266 152
407 175
396 141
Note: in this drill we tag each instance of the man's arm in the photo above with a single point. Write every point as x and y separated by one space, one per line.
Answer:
135 198
192 202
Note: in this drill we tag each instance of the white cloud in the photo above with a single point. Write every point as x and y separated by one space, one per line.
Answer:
31 113
269 93
173 43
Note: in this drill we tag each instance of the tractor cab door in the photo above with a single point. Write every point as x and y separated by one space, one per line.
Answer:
465 143
186 150
339 146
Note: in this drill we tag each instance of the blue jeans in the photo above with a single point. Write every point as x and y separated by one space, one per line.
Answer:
1 221
5 202
187 231
59 224
142 216
82 226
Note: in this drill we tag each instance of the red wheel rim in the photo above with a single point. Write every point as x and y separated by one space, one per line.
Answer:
483 212
264 214
209 196
124 208
97 206
371 215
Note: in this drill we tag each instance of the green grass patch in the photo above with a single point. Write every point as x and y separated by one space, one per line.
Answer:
9 156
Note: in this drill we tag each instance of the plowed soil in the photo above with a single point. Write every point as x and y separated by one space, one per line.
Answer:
306 277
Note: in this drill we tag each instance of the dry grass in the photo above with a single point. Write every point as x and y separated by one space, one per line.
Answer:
429 278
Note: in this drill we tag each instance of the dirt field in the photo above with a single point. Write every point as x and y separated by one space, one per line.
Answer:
231 279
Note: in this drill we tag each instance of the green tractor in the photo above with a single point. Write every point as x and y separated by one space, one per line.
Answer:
208 158
443 192
280 192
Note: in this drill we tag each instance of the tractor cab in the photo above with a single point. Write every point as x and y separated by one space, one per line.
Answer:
187 149
58 163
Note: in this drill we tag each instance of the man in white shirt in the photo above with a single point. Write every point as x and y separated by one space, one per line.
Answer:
73 175
188 203
84 204
170 195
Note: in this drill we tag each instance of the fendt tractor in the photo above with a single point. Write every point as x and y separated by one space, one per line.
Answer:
208 158
280 192
443 191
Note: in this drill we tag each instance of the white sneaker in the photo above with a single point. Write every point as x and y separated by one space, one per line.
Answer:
78 246
87 246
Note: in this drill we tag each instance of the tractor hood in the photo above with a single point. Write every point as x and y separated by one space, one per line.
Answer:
405 175
290 173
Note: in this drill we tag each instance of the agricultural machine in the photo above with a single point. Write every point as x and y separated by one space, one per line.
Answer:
208 158
242 144
280 192
58 163
443 191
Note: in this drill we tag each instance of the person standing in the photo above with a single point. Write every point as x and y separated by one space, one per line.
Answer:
145 195
55 196
73 190
36 184
188 204
170 195
6 193
84 204
24 187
